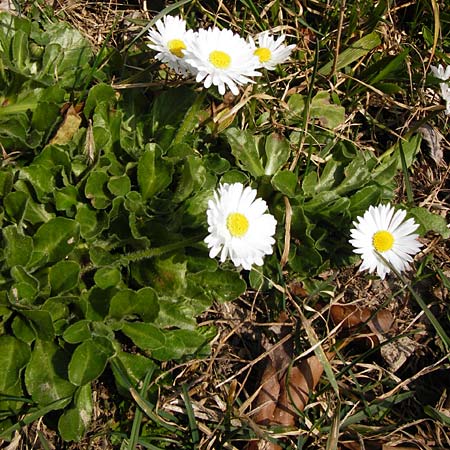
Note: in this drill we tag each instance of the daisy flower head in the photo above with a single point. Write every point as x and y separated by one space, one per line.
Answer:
222 58
171 39
383 231
239 226
270 51
440 73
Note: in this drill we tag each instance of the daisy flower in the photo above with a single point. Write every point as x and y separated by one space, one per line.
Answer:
222 58
440 73
170 40
382 230
269 51
239 226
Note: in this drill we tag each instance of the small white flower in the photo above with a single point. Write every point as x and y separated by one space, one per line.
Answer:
382 230
445 94
440 73
269 51
170 40
239 226
222 58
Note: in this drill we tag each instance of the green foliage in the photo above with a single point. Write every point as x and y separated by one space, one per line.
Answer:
103 264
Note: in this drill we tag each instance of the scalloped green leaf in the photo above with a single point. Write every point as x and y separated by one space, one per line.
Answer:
63 276
74 422
18 247
14 356
277 151
78 332
221 285
244 147
55 239
87 363
154 173
128 302
46 374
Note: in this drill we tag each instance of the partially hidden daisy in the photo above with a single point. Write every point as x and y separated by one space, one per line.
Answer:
239 226
383 231
222 59
170 40
444 76
270 51
440 73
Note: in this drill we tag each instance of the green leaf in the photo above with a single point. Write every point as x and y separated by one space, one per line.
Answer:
78 332
87 363
354 52
192 178
46 374
154 174
95 189
321 110
99 93
41 178
356 174
164 345
42 324
106 277
91 222
244 147
135 366
359 202
285 182
146 336
15 204
277 150
182 311
20 49
65 197
55 239
167 275
18 247
221 285
14 356
6 182
63 276
430 222
119 185
73 423
22 330
127 303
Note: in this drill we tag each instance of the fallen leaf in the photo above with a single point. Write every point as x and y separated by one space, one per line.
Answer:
285 387
68 128
296 385
352 317
433 137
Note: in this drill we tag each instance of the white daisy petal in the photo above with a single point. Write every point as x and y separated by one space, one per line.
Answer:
170 40
239 226
222 59
383 231
270 51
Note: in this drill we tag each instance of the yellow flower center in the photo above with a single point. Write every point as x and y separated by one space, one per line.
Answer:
176 47
237 224
263 53
382 241
220 59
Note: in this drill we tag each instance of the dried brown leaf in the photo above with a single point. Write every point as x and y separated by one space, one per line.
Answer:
296 385
433 137
68 128
353 317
